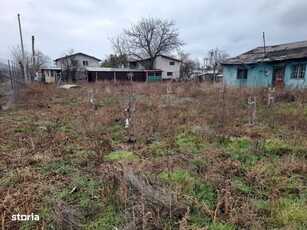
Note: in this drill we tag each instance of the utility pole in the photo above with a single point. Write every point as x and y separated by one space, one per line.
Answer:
23 51
264 49
33 56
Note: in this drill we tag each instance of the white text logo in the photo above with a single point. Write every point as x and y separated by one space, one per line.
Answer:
21 217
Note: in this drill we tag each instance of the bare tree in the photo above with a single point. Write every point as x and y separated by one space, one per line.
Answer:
147 39
115 61
216 56
69 65
16 54
188 65
41 60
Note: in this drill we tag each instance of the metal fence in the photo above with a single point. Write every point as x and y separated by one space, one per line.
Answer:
11 80
11 74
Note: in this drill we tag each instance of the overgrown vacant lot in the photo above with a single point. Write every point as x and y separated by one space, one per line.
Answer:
191 161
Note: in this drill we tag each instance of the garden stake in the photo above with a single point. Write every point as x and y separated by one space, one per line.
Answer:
251 102
222 103
91 98
128 112
271 96
169 92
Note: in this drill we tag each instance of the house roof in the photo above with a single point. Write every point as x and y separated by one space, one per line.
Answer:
50 68
282 52
77 54
157 56
170 58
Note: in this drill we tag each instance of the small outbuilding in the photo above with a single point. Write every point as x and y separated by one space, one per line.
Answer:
49 74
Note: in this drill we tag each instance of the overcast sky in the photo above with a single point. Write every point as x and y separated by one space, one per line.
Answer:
234 26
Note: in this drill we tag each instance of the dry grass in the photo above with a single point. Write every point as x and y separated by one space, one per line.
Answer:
218 172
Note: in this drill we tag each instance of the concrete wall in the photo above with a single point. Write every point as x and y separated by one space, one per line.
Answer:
297 83
257 76
92 62
163 63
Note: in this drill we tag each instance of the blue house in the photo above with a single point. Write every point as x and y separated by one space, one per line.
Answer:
278 65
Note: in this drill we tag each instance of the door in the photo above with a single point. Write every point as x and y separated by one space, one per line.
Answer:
278 77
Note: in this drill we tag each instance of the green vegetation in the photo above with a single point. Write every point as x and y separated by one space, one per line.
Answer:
120 155
181 179
186 167
288 212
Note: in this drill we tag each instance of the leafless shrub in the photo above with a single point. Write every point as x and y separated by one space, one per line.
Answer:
65 217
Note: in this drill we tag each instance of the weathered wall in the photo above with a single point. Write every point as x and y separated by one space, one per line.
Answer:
92 62
164 64
260 75
298 83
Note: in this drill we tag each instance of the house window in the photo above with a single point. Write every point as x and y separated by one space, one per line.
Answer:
171 63
241 73
158 74
298 71
85 63
51 73
169 73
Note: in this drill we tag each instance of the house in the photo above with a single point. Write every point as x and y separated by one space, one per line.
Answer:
122 74
277 65
76 63
82 60
170 66
208 75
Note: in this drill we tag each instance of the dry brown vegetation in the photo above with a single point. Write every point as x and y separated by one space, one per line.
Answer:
190 162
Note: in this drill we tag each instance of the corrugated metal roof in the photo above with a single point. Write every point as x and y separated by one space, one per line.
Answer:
105 69
51 68
273 53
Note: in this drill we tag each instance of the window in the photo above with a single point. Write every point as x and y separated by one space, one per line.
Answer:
241 73
171 63
298 71
85 63
158 74
51 73
169 73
